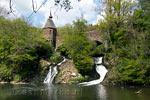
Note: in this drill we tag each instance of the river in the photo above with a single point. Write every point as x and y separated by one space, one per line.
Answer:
71 92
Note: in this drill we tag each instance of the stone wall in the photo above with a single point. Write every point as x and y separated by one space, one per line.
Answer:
48 33
58 41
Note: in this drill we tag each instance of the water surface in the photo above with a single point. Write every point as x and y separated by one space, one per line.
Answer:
71 92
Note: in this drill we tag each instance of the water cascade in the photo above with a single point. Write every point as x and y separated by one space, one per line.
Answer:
52 72
100 69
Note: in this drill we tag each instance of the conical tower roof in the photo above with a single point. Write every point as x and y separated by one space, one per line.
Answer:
50 23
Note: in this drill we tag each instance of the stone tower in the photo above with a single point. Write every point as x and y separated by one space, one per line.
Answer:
50 31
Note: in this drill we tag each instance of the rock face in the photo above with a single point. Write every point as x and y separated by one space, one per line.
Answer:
67 73
40 76
44 65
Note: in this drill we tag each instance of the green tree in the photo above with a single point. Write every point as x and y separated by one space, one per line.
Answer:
126 29
78 47
80 24
115 26
21 48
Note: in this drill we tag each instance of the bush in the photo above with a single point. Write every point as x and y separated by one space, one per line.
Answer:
98 50
6 74
63 51
83 63
80 79
133 71
56 58
17 78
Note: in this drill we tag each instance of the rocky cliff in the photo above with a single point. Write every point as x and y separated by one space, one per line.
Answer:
67 73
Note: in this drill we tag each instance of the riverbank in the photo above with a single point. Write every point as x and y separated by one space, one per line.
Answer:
13 82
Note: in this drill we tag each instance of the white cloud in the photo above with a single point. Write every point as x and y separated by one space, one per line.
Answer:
97 21
99 18
4 3
24 6
61 17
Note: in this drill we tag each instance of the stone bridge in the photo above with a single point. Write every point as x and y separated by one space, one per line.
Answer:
93 35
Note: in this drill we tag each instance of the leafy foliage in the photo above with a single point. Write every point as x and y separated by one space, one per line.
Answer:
80 49
77 46
56 58
126 29
133 71
21 48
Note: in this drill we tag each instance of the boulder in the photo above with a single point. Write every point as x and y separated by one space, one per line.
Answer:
67 73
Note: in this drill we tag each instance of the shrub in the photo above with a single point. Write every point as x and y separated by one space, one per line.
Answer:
56 58
133 71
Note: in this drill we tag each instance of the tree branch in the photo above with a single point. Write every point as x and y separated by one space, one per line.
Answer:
11 8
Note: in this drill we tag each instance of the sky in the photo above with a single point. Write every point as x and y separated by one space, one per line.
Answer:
23 8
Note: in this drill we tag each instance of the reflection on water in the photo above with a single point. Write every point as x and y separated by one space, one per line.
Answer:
101 92
62 92
71 92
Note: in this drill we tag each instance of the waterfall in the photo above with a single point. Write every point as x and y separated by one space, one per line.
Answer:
100 69
52 72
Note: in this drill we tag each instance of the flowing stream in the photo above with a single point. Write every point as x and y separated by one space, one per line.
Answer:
100 69
52 72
